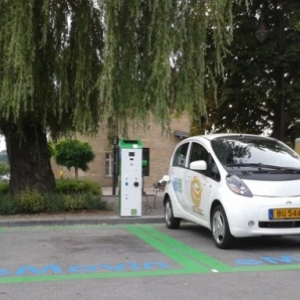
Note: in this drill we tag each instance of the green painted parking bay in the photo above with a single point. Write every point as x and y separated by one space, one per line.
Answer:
33 254
78 252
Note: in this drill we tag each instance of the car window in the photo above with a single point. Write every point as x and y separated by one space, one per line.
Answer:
254 150
214 171
181 155
198 152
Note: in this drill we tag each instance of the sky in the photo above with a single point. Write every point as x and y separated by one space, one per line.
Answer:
2 143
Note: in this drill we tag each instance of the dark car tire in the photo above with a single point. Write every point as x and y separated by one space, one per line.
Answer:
220 228
170 220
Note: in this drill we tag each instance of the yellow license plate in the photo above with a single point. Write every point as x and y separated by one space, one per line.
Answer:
292 213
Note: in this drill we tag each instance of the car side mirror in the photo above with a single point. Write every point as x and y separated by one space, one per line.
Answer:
198 165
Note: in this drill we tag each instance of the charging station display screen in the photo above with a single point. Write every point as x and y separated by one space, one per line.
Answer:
131 154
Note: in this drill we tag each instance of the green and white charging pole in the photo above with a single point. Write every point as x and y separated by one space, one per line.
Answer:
131 180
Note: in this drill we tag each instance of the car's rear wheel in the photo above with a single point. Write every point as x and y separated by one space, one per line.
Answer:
220 228
170 220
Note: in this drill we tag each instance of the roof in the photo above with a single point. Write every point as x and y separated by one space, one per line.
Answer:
181 134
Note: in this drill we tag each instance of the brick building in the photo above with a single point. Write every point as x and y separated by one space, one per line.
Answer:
161 147
297 145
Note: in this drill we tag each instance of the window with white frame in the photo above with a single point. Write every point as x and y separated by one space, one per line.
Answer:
108 164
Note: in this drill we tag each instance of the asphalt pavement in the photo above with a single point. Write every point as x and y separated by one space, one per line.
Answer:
152 212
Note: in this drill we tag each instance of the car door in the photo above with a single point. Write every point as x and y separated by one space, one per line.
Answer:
199 185
177 170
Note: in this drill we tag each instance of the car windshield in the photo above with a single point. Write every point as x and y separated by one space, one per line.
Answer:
251 151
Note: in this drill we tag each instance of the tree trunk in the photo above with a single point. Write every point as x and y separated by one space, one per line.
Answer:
278 130
29 159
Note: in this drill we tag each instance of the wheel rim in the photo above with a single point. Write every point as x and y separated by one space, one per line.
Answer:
168 212
219 227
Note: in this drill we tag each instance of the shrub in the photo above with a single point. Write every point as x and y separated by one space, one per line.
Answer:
53 203
89 186
9 205
73 153
31 201
66 186
4 168
3 188
73 202
71 186
94 202
72 196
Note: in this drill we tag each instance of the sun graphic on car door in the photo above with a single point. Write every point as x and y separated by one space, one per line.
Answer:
196 192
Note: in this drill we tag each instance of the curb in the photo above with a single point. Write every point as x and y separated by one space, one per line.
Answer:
112 220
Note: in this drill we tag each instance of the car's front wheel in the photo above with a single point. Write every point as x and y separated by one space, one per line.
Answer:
170 220
220 228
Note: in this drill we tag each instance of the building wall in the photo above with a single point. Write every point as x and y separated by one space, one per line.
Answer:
161 147
297 145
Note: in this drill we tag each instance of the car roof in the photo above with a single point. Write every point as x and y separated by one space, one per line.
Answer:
220 135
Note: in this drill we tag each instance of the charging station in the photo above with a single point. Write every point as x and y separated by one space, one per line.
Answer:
130 178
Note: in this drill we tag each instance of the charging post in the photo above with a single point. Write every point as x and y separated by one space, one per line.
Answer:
131 181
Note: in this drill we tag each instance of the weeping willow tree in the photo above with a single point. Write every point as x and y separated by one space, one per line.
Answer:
67 65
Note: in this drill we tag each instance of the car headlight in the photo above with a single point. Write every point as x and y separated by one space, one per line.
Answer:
238 186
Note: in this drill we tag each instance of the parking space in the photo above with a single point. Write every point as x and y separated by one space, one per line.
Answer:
248 254
74 252
57 253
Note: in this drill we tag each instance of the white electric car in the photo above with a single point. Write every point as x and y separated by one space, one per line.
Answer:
237 185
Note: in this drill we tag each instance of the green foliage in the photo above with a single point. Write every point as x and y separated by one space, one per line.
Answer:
248 98
31 201
127 51
94 202
71 195
83 202
65 66
73 153
73 202
4 168
3 188
70 186
48 57
51 149
53 203
9 205
142 38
